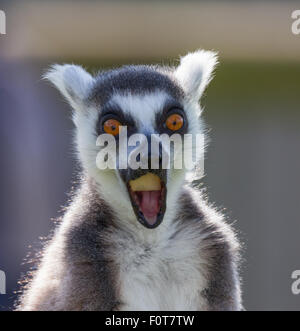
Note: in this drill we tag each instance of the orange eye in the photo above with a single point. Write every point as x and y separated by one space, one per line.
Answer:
112 126
174 122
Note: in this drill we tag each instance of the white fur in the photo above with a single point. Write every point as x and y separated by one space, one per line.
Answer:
157 272
147 261
165 268
165 273
72 81
142 108
194 72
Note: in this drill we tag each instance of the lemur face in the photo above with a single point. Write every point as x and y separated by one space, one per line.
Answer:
147 100
144 101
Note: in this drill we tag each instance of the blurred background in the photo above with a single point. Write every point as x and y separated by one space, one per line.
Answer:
252 110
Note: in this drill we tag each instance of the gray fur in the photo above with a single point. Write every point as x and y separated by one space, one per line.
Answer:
90 275
223 257
87 281
101 257
139 79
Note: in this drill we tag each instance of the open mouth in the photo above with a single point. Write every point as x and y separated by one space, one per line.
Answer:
148 198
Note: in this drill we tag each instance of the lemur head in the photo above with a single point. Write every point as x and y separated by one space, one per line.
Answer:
148 100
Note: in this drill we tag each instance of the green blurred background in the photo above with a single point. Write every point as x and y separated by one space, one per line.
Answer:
251 111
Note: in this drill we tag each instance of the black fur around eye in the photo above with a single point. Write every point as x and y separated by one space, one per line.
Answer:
116 115
110 116
163 120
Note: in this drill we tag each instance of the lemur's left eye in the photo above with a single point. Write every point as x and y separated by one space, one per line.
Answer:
112 126
174 122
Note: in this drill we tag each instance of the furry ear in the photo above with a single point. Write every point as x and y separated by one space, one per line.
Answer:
194 72
72 81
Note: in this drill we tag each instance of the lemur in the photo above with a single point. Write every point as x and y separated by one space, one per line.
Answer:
116 249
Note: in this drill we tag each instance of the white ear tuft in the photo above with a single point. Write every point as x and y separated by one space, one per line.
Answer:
194 72
72 81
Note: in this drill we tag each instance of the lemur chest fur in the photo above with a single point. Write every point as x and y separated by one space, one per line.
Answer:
161 272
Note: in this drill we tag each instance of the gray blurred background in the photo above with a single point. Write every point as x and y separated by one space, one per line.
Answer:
251 110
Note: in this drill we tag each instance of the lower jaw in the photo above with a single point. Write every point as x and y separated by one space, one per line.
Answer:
151 225
156 219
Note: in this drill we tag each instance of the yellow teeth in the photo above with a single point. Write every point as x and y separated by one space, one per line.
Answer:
148 182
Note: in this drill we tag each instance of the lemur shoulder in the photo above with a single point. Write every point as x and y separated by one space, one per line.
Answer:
121 250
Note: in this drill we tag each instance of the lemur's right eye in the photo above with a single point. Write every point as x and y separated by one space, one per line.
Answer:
112 126
174 122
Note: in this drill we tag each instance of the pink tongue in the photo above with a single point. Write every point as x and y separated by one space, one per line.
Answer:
149 205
